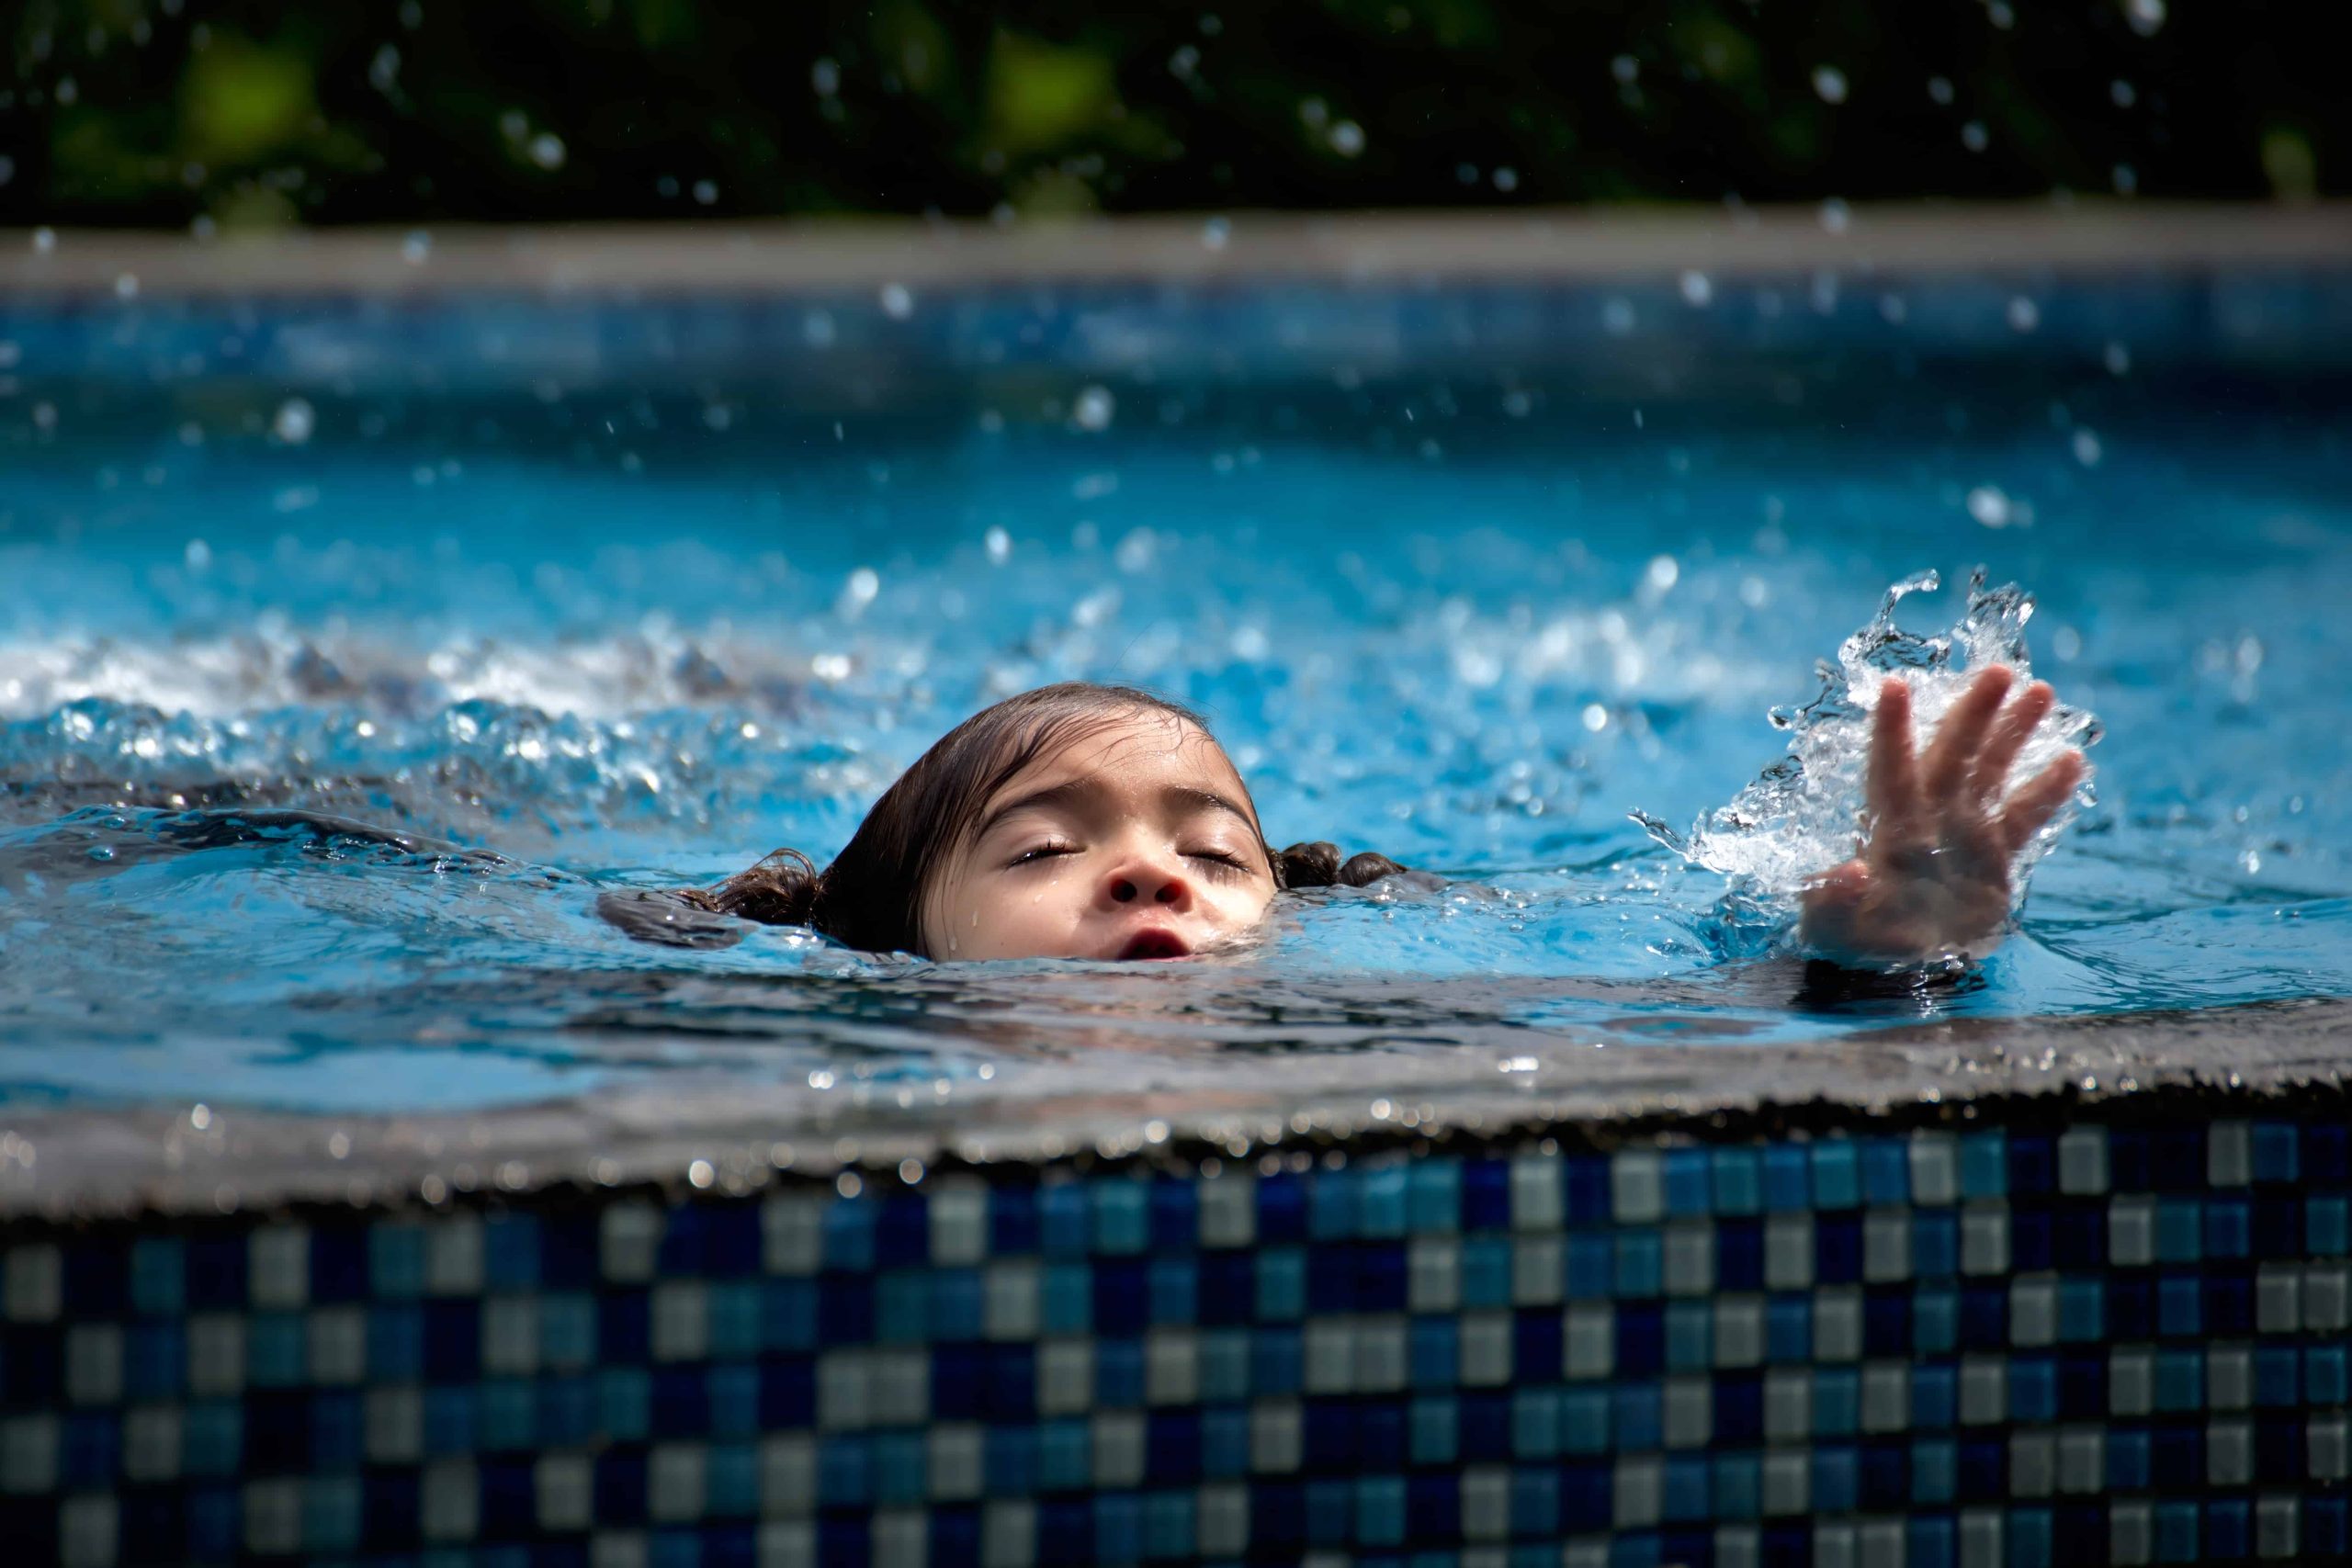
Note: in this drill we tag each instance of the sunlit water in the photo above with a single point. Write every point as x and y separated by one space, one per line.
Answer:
324 724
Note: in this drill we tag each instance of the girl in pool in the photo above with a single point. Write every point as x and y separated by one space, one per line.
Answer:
1086 821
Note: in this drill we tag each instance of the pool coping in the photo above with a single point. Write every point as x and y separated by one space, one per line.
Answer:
730 1137
1560 245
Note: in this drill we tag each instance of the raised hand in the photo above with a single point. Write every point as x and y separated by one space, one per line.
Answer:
1931 875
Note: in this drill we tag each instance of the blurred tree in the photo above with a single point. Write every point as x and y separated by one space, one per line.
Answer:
243 112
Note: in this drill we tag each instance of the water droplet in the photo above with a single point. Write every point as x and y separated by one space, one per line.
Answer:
2024 314
700 1173
705 192
1989 505
859 592
1596 718
102 852
1836 216
547 150
898 301
1617 317
1506 179
1216 232
1663 574
126 287
415 247
2087 450
1829 83
1093 409
911 1170
849 1184
1696 287
2146 16
1346 138
294 421
2122 94
998 544
1975 137
197 555
2117 359
44 240
1939 89
1626 69
825 76
199 1116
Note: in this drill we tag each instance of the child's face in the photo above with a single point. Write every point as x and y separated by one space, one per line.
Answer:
1135 842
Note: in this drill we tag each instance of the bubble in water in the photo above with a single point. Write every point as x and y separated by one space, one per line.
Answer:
1989 504
1626 69
416 247
1836 216
2146 16
2122 94
1975 137
2117 359
1939 90
898 301
1696 287
825 76
1506 179
547 150
2024 314
859 592
817 329
1216 232
2087 450
998 544
1092 409
705 192
1346 138
44 240
1617 317
293 422
1829 83
126 285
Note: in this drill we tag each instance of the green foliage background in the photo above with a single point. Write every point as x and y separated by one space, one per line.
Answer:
237 113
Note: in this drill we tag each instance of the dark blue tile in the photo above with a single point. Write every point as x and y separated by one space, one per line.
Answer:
1588 1497
2327 1155
1837 1478
2229 1303
453 1339
567 1411
1277 1515
153 1526
902 1231
390 1506
1012 1382
1886 1321
1485 1195
1587 1177
957 1380
2279 1448
1740 1409
216 1271
2127 1448
2033 1166
1885 1476
619 1486
1434 1505
1282 1209
1787 1546
89 1450
1837 1248
2180 1306
1483 1428
2082 1385
2176 1456
2079 1236
2130 1305
1636 1416
1536 1346
1327 1436
338 1431
2229 1534
1739 1254
680 1405
2079 1532
844 1309
1013 1221
684 1228
338 1264
2176 1160
1331 1278
1382 1283
1382 1436
2327 1528
2127 1161
846 1540
571 1250
954 1537
2032 1246
1122 1293
97 1280
733 1247
726 1546
1983 1470
509 1500
1175 1215
1009 1460
1172 1448
278 1431
2278 1226
1687 1548
1228 1287
1984 1317
624 1328
787 1393
1641 1341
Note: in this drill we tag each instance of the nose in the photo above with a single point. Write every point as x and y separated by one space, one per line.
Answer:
1141 882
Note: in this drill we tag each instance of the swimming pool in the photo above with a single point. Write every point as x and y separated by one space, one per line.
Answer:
353 645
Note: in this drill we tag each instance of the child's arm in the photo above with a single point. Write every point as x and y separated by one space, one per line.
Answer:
1930 877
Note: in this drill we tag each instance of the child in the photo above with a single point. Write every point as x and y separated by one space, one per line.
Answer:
1085 821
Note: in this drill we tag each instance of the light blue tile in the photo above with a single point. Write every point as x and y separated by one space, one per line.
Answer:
2180 1227
2082 1309
508 1418
1380 1510
2324 1382
734 1319
1585 1420
1485 1270
1935 1471
1434 1348
1788 1178
1225 1365
1381 1202
1331 1205
278 1348
1738 1486
1065 1456
731 1480
1281 1285
900 1467
1535 1423
2030 1539
1066 1297
1691 1335
624 1403
1984 1163
1122 1216
2180 1379
1535 1503
1168 1526
1434 1194
734 1394
787 1315
1935 1321
1224 1441
1935 1244
1640 1263
902 1307
1433 1422
158 1277
395 1261
2325 1231
1738 1180
1837 1174
1837 1401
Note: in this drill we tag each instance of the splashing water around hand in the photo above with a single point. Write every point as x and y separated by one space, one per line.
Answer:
1800 815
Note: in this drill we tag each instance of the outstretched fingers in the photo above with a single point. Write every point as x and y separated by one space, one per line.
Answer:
2035 803
1945 769
1893 780
2007 738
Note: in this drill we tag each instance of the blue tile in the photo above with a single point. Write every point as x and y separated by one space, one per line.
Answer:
1434 1194
1788 1178
1984 1163
1636 1416
212 1437
1381 1202
1118 1528
1935 1399
1534 1504
2278 1152
1485 1272
2325 1231
154 1361
1122 1216
1737 1177
1118 1372
2325 1376
1380 1510
1063 1456
1641 1341
844 1472
395 1344
1013 1221
1225 1442
902 1307
2327 1525
2031 1537
2229 1227
567 1413
1433 1351
2228 1532
1886 1171
89 1450
789 1313
2177 1534
1167 1527
1277 1361
1433 1425
1836 1479
2277 1379
1688 1494
624 1403
1585 1426
1331 1205
2033 1166
1689 1335
1640 1263
1066 1221
1175 1214
1935 1321
2082 1309
1687 1183
1935 1244
1009 1460
1281 1285
2033 1389
1738 1485
507 1417
1175 1291
1591 1266
1935 1478
2180 1379
1837 1401
2180 1306
1788 1329
1585 1180
1837 1174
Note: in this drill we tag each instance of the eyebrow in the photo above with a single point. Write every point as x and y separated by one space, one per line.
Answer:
1080 790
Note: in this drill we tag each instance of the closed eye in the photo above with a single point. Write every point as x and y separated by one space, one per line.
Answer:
1223 862
1041 853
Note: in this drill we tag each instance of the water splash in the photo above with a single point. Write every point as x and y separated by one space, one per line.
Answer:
1798 817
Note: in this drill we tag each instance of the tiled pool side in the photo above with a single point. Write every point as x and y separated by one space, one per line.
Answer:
2108 1331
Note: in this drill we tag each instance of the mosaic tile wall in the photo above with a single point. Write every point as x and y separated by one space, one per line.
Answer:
1935 1350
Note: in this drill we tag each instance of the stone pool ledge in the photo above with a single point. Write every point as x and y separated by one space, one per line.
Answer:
732 1139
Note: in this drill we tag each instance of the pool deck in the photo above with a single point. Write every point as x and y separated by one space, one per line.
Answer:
1565 245
729 1136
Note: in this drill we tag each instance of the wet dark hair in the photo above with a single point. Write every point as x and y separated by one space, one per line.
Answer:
871 897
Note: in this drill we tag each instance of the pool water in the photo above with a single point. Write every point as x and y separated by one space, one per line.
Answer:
329 706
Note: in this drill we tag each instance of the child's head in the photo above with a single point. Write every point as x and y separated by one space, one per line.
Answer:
1074 821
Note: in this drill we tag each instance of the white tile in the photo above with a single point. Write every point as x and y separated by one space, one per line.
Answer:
2229 1376
563 1488
2082 1162
1832 1547
1118 1445
2034 1310
2278 1299
2082 1460
215 1354
1433 1274
1010 1304
2033 1463
626 1549
1788 1405
88 1532
1636 1186
629 1241
1980 1538
28 1454
787 1543
394 1422
450 1505
1787 1252
680 1320
2130 1532
844 1390
792 1234
2278 1522
901 1537
273 1515
1588 1341
1837 1323
2229 1154
2328 1453
1008 1534
1330 1355
676 1482
957 1208
2323 1298
2131 1380
902 1387
94 1363
1878 1543
956 1467
1935 1169
1688 1261
278 1266
1486 1502
1275 1437
1887 1246
32 1284
788 1475
1381 1358
1984 1238
1640 1491
1984 1389
2229 1452
1065 1376
1590 1552
453 1263
1221 1520
1228 1209
1786 1486
1738 1546
510 1335
1739 1331
1484 1349
1476 1557
1538 1271
2131 1230
1537 1202
1886 1396
337 1347
1687 1416
1172 1366
150 1442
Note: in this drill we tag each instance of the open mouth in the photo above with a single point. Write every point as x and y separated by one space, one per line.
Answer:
1155 944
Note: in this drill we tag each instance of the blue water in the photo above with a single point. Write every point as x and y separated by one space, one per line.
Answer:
324 724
